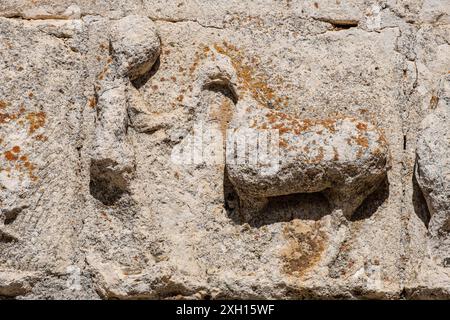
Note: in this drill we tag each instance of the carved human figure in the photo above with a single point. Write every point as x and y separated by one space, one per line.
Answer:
134 48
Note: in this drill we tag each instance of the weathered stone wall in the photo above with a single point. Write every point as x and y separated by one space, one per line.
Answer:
96 95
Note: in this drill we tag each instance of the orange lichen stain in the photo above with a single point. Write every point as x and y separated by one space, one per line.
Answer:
306 244
30 167
20 163
41 137
6 117
92 102
174 79
362 141
361 126
10 156
363 111
434 102
30 95
36 120
105 70
250 81
180 98
283 143
288 123
3 104
198 56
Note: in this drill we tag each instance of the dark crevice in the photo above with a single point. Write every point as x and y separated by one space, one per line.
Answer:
143 79
304 206
6 238
419 202
341 24
106 184
9 216
371 204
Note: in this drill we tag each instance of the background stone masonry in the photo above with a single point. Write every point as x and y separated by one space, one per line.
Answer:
152 229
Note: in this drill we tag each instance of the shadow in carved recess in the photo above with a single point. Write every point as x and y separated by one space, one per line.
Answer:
372 202
142 80
106 185
304 206
419 203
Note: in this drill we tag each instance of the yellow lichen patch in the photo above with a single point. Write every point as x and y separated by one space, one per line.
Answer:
306 243
36 120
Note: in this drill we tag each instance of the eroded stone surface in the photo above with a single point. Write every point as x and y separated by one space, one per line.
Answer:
433 171
176 230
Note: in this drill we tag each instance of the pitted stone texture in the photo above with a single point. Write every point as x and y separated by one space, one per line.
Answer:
175 233
135 45
345 158
15 283
433 172
40 200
